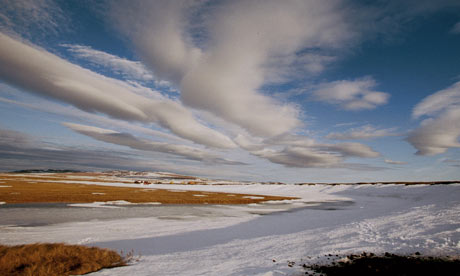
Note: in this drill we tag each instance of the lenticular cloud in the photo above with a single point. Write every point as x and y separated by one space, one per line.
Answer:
222 62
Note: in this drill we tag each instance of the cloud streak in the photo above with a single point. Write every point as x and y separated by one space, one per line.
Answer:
301 152
393 162
362 133
48 75
351 95
127 68
223 72
128 140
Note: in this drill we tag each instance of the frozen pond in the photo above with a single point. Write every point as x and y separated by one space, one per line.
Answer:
32 215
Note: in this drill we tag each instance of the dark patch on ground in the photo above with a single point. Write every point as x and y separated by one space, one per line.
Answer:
369 264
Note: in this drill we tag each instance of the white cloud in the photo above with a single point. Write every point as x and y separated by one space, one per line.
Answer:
351 95
127 68
456 28
436 135
157 30
352 150
73 113
393 162
439 101
128 140
361 133
43 73
223 72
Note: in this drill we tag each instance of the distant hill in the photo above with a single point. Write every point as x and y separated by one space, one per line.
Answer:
46 171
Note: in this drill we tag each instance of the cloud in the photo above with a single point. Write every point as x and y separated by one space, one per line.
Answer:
27 152
351 95
437 135
452 162
441 132
392 162
300 157
45 74
127 68
26 15
77 114
351 150
362 133
439 101
456 28
19 151
222 66
128 140
302 152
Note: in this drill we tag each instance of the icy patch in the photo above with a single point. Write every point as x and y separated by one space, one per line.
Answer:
177 191
110 204
97 204
254 197
200 195
5 186
98 193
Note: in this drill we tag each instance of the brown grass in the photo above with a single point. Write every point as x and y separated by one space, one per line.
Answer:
22 191
55 259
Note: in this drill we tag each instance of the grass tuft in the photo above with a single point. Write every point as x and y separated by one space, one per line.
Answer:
50 259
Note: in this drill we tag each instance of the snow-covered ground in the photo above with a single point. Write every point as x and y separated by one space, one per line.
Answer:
256 239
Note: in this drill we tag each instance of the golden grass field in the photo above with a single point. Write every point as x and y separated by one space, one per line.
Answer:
43 189
56 259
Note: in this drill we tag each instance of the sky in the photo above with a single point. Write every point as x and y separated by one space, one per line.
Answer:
291 91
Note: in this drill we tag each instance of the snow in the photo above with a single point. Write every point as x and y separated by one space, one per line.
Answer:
260 239
110 204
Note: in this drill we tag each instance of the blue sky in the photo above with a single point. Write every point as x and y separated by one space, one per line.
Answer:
293 91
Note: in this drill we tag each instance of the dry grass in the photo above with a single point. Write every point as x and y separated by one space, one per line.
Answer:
23 191
56 259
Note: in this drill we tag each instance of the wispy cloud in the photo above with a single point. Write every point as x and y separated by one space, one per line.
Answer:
224 72
351 95
442 130
22 65
19 150
393 162
362 133
128 140
127 68
23 16
452 162
456 28
302 152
